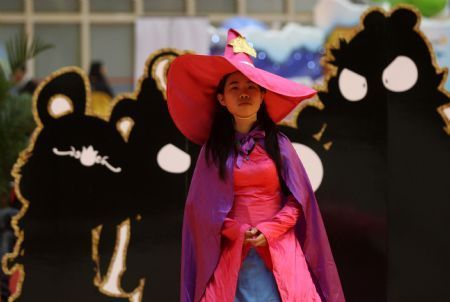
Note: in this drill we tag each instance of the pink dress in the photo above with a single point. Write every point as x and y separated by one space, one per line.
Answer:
257 202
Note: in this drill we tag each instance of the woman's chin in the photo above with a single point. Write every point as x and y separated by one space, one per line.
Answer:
245 116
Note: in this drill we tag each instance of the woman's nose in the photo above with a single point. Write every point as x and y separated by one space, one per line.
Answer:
244 96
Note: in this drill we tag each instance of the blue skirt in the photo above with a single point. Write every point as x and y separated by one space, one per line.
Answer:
255 282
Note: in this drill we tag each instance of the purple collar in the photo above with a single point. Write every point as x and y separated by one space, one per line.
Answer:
246 142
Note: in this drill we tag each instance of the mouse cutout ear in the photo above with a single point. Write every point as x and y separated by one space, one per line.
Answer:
124 126
158 64
62 93
123 117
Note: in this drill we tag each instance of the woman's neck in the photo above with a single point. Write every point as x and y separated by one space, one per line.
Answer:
244 125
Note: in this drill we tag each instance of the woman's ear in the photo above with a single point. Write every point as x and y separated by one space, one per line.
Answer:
220 99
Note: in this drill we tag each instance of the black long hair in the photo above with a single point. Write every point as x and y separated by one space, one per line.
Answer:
221 139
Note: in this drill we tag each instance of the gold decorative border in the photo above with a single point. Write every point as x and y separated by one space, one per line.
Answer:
445 117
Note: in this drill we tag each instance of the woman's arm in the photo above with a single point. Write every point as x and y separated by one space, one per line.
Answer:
283 221
231 229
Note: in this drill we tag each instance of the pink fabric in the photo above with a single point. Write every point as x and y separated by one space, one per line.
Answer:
257 202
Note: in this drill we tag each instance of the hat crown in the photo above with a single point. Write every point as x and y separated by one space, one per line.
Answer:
238 49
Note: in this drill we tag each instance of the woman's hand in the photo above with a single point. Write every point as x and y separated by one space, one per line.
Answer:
255 237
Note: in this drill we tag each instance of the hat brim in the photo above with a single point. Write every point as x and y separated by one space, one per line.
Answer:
191 86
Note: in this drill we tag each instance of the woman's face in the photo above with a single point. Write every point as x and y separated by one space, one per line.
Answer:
241 96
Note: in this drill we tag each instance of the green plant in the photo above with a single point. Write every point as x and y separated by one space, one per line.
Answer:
16 118
16 123
20 49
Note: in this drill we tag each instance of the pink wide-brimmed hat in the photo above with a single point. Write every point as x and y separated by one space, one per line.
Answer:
192 81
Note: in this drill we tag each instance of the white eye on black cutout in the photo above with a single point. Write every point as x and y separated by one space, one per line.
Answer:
352 85
172 159
400 75
312 164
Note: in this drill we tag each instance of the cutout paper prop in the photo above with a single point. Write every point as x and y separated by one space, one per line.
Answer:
378 130
64 180
101 219
161 160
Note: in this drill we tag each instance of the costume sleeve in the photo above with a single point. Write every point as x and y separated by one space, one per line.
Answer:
284 220
231 229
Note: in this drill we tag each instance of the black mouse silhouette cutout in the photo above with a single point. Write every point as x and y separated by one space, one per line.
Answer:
161 160
64 180
379 134
101 200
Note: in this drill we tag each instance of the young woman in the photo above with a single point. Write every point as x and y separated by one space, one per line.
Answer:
252 229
